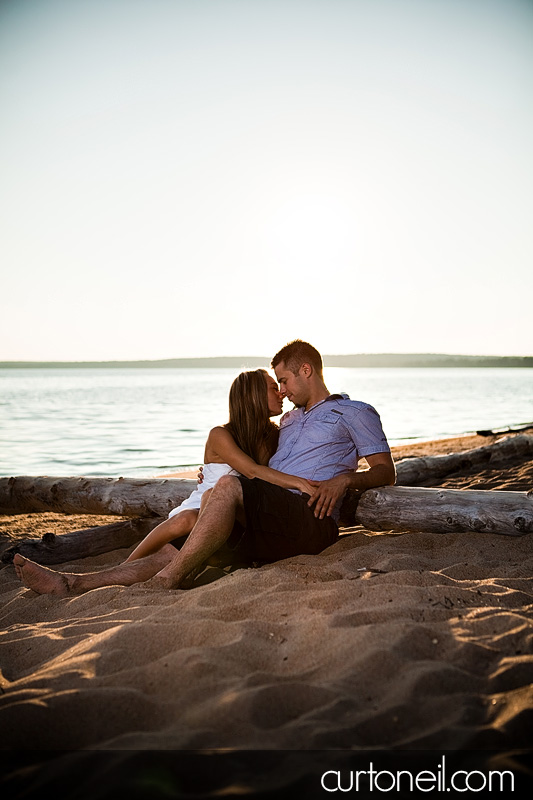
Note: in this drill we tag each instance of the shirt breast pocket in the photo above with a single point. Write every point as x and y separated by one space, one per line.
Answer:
323 428
288 434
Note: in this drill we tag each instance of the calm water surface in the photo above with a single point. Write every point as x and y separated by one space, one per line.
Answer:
141 422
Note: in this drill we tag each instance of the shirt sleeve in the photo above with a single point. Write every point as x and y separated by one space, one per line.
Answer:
366 431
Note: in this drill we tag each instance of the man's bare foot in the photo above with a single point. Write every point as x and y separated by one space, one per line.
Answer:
165 579
40 579
156 583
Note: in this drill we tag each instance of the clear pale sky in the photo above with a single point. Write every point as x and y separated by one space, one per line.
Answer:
217 177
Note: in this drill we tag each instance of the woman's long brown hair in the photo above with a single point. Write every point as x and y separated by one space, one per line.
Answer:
249 418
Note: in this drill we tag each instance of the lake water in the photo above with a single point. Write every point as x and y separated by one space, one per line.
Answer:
144 422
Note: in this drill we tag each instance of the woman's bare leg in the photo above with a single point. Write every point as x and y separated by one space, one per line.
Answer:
48 581
179 525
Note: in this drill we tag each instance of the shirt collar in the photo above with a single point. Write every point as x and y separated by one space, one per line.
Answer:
341 396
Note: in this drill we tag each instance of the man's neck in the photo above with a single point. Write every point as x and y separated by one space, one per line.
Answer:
320 394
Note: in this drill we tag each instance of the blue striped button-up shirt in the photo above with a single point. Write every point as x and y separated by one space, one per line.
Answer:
328 439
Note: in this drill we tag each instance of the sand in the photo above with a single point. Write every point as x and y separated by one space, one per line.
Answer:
431 650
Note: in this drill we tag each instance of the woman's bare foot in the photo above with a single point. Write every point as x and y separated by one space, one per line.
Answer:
40 579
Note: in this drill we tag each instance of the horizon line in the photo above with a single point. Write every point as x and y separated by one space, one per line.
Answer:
262 359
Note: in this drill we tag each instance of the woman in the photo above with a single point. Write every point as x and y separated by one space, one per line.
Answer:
242 446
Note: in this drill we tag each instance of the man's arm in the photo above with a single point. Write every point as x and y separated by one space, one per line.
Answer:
381 472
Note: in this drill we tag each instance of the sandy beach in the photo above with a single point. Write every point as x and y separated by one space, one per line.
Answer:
429 649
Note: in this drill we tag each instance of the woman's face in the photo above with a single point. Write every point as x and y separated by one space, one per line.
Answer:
274 396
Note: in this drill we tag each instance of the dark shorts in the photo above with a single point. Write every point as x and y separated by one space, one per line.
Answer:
279 524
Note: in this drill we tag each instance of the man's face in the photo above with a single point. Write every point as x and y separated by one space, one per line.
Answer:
274 396
294 387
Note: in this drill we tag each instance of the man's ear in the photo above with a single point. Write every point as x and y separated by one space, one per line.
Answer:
306 370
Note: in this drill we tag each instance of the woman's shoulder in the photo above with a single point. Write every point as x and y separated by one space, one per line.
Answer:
217 442
219 433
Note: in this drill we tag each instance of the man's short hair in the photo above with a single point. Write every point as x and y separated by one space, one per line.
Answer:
296 353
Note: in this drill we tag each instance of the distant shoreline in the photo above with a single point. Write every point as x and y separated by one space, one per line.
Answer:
364 360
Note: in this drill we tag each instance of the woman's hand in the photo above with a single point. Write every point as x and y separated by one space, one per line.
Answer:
304 486
200 476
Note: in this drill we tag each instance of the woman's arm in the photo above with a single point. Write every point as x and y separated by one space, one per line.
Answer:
221 443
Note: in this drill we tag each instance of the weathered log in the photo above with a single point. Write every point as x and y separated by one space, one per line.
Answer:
126 497
414 471
144 497
52 549
387 508
399 508
509 429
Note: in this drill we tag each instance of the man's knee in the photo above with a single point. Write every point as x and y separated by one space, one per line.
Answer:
227 495
229 485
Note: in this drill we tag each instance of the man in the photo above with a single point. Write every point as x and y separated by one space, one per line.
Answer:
320 440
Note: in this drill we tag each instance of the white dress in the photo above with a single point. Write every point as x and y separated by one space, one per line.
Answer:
212 472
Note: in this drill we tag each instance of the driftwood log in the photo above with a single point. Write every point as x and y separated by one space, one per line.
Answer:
52 549
414 471
148 502
139 497
406 508
389 508
403 507
125 497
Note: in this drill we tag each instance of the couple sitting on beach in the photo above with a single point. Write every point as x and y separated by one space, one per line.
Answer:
268 493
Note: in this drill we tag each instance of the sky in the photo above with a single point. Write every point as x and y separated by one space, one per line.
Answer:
184 178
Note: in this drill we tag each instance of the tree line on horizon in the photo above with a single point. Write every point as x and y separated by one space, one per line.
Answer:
372 360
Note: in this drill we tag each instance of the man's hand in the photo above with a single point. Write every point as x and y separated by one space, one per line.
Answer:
326 494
